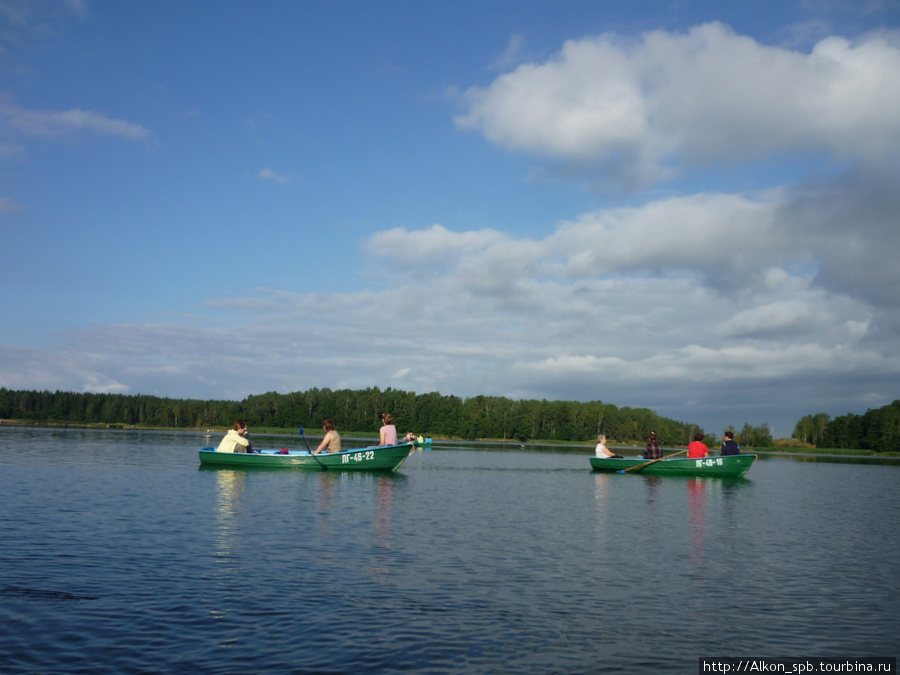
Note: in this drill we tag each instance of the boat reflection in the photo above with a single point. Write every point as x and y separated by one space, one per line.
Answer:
385 499
696 504
229 495
226 542
601 492
652 484
384 554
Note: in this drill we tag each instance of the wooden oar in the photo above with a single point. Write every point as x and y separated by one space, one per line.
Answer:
324 468
652 461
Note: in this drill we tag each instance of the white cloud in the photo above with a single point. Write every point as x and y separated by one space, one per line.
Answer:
38 369
53 125
268 174
641 110
777 318
782 301
512 55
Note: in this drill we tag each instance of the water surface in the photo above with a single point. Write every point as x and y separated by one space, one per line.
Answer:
118 553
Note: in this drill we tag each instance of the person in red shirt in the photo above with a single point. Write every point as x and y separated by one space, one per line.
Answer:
697 448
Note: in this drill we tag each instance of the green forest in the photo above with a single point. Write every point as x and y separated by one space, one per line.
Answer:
433 414
878 430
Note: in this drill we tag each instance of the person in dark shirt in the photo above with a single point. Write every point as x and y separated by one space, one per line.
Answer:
652 451
730 447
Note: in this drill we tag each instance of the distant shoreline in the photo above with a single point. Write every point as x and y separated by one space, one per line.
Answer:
365 435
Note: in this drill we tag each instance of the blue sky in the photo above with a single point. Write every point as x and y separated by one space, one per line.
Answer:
686 206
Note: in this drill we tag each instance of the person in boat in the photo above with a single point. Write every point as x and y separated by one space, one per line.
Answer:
388 433
730 446
236 439
652 451
602 451
697 448
409 438
331 442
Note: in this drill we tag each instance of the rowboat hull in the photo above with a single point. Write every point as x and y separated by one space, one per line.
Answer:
730 466
375 458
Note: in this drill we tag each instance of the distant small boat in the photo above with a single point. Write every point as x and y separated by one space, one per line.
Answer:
425 442
729 466
372 458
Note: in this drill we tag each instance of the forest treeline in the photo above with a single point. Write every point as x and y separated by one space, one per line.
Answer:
479 417
877 429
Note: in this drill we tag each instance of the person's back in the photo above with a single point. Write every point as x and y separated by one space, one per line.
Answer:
334 444
390 434
653 450
697 448
730 446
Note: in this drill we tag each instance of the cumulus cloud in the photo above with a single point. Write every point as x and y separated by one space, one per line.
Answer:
681 304
776 303
642 110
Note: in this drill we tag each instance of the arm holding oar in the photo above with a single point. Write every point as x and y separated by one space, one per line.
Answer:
331 441
324 468
641 466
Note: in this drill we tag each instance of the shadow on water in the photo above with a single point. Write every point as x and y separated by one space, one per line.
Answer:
40 594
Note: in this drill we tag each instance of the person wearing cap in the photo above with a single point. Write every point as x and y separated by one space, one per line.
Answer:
652 451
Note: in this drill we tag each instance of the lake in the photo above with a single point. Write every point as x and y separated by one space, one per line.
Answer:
119 554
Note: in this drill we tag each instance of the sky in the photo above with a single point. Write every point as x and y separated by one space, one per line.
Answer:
692 207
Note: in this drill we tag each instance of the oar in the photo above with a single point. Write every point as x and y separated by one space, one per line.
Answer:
324 468
652 461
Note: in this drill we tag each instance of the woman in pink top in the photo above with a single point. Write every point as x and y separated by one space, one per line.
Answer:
697 448
388 435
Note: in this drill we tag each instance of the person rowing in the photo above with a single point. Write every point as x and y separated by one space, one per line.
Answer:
331 442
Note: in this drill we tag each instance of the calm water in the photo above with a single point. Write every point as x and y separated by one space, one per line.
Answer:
118 554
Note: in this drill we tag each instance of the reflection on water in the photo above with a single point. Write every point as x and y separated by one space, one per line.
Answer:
696 501
652 484
601 492
383 513
327 485
384 500
229 497
229 492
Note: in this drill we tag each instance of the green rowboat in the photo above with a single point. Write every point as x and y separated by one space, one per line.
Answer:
730 466
373 458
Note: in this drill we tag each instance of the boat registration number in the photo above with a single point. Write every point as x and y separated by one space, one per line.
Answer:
358 456
709 462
